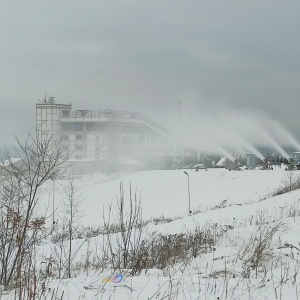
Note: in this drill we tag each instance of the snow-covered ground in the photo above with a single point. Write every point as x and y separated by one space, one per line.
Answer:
239 205
166 192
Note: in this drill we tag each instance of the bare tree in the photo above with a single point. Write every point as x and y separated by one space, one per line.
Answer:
72 212
41 159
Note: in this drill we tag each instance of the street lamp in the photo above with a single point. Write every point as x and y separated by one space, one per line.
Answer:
187 174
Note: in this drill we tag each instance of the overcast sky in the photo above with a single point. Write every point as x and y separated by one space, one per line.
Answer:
222 59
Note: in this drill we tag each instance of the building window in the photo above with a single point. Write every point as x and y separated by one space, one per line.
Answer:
78 137
65 113
71 126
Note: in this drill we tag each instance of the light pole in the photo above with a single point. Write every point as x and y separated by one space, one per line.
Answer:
187 174
179 132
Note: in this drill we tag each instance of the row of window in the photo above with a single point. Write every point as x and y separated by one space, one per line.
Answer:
118 139
78 137
112 128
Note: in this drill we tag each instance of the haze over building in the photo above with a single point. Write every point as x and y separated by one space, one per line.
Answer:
110 137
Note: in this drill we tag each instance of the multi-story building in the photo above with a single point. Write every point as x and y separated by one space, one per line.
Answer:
114 136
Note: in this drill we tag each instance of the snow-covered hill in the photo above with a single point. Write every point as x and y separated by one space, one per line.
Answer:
166 192
247 246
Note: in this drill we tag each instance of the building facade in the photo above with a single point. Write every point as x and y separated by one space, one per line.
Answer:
120 137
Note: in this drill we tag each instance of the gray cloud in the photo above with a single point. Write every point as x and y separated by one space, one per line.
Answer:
220 58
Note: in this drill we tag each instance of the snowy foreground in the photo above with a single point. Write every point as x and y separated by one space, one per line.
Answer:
241 241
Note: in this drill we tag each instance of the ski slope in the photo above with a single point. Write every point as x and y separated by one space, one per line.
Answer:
166 192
